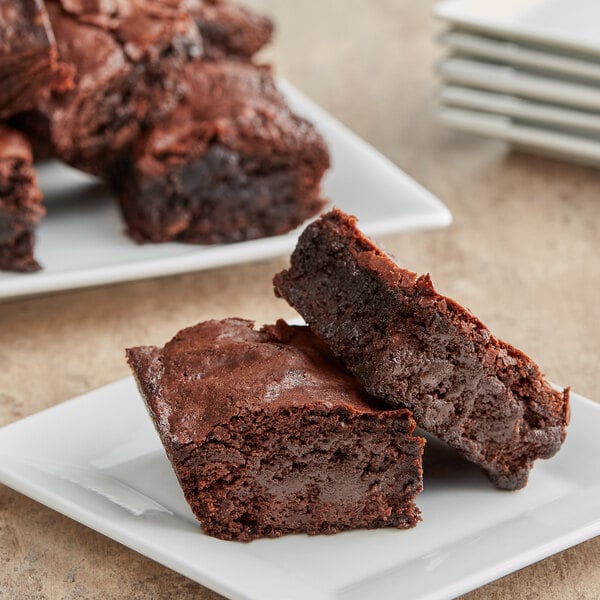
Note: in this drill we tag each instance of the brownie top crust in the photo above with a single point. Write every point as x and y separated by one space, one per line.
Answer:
228 29
126 58
235 105
14 145
25 27
411 346
217 370
143 28
29 67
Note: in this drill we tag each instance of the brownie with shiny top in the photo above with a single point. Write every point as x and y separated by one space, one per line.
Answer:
269 435
29 66
20 203
413 347
231 163
126 56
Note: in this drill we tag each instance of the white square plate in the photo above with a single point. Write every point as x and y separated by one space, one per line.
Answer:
578 121
98 460
521 54
502 78
565 144
569 24
82 242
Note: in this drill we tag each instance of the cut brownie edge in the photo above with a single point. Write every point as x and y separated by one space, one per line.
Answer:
267 436
365 484
411 346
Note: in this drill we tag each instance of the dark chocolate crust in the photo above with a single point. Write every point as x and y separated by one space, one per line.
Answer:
229 30
232 163
413 347
269 435
126 58
20 203
29 67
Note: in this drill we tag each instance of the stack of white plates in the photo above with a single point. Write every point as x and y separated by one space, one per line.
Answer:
525 71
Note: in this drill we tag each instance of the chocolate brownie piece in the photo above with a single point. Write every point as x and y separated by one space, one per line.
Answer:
231 163
20 203
126 57
228 29
269 435
29 67
413 347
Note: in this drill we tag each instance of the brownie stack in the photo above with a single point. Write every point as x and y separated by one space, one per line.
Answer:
309 429
162 100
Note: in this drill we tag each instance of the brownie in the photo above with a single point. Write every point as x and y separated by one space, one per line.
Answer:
20 203
126 57
413 347
231 163
29 67
228 29
269 435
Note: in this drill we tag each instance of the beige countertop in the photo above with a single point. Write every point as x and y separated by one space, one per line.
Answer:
523 254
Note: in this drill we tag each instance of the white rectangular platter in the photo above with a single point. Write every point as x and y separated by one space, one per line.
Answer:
97 459
82 241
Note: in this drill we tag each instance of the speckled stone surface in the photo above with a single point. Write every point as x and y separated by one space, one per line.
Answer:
523 254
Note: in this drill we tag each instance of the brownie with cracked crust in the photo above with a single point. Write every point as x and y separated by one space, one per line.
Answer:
231 163
126 56
229 30
413 347
269 435
20 203
29 66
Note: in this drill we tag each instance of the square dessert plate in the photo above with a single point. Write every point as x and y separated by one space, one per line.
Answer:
556 142
579 121
497 77
566 24
82 241
522 54
98 460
